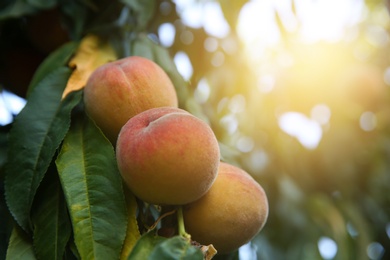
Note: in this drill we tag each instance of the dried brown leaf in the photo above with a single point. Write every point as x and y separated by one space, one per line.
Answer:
91 54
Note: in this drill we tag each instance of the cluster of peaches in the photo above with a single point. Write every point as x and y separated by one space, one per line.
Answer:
169 157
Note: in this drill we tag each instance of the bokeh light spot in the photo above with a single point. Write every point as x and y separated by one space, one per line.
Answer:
321 113
327 247
166 34
368 121
10 104
266 83
375 251
245 144
202 91
388 229
386 76
258 160
190 12
352 230
307 131
230 123
165 8
214 22
237 104
218 59
183 64
210 44
247 252
187 37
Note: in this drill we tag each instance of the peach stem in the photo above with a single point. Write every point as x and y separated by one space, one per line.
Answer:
180 221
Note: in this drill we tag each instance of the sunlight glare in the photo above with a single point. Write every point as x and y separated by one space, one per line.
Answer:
257 27
327 19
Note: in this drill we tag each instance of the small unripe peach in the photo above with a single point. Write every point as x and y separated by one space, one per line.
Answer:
231 213
119 90
167 156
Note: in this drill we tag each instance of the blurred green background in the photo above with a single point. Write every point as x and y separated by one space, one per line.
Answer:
297 92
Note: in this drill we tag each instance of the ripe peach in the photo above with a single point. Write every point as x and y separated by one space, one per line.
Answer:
231 213
167 156
119 90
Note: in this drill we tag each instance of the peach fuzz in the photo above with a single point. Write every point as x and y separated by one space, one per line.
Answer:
167 156
119 90
231 213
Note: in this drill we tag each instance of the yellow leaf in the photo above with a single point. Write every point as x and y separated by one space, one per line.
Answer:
132 234
91 54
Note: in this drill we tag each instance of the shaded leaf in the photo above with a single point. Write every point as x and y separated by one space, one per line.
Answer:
75 17
176 248
93 191
52 228
36 134
42 4
16 9
141 46
58 58
163 58
91 54
20 246
145 245
143 11
132 234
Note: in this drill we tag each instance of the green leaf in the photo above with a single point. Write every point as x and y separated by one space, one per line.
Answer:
20 246
36 134
52 228
55 60
6 223
16 9
141 46
132 233
42 4
76 14
163 58
176 248
145 245
93 191
143 11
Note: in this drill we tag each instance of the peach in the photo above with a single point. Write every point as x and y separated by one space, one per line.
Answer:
231 213
167 156
119 90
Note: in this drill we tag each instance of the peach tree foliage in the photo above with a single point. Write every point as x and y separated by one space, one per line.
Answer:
63 195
